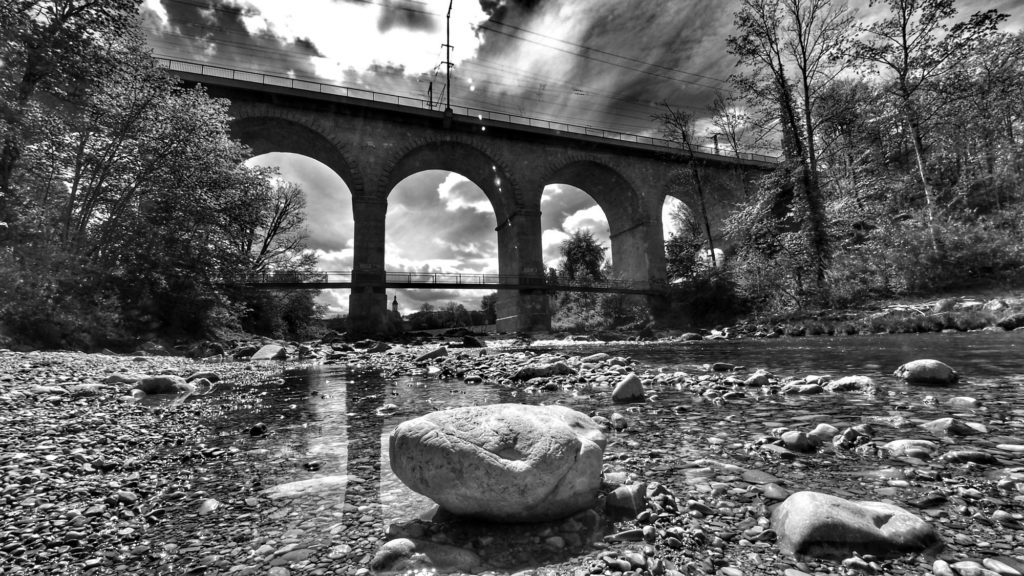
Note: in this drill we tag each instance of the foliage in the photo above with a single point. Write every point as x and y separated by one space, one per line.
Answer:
582 257
706 297
126 200
489 307
682 251
583 262
918 158
52 51
450 315
793 49
916 46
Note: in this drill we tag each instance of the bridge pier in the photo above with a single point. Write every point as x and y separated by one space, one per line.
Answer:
368 300
520 253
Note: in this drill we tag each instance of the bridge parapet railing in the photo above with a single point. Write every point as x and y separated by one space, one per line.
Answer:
479 114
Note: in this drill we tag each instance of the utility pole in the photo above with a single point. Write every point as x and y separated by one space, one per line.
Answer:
448 59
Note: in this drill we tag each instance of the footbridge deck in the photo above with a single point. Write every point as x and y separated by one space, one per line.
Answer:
326 280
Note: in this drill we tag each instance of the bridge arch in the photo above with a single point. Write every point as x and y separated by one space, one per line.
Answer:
621 203
264 133
722 193
471 161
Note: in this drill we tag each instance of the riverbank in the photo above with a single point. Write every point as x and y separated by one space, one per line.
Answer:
961 313
98 484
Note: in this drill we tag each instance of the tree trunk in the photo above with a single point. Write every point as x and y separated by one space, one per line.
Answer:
703 211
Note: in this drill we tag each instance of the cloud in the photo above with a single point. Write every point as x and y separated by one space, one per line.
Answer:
410 301
551 240
338 260
223 33
604 61
405 14
559 201
335 300
154 14
458 192
358 35
591 218
441 220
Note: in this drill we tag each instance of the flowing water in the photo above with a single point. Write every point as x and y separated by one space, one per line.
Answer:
330 418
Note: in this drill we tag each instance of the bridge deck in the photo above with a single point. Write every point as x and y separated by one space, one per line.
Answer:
705 148
433 280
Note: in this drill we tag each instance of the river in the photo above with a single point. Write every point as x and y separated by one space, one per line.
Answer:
328 420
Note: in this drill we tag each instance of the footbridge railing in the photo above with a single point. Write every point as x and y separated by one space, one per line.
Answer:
324 280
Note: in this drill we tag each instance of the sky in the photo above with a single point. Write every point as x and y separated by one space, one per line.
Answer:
606 63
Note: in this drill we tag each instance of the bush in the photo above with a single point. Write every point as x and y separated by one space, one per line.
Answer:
899 258
707 297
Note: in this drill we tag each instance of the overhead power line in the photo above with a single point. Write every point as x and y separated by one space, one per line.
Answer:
599 51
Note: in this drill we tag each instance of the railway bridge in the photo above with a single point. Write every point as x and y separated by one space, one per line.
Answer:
373 141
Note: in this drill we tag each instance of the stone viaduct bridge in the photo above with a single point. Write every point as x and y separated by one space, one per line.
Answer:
374 141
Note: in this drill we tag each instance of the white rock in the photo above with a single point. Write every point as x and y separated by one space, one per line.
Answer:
502 462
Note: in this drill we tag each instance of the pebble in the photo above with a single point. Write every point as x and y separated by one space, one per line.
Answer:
721 517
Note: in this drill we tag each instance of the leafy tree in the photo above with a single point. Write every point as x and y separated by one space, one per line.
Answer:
682 253
582 257
488 304
128 190
52 50
454 315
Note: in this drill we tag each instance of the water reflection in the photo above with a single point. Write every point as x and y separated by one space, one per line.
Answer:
333 415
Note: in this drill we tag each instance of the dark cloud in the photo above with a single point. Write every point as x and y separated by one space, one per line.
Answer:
605 62
406 14
212 30
502 9
386 70
561 201
418 191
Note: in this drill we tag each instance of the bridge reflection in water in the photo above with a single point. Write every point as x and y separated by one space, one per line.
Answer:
323 280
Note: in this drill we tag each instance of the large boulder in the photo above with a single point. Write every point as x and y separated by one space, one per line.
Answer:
165 384
543 371
825 526
414 556
862 384
435 353
270 352
629 389
1012 322
503 462
927 372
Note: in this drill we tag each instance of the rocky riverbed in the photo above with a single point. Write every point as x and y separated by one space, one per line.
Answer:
98 480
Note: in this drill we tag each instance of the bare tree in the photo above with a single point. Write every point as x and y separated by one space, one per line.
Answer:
732 122
277 232
677 126
793 49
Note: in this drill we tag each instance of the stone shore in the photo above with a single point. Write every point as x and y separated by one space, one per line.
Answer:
97 482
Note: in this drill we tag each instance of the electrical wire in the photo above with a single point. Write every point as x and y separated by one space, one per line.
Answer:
638 110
